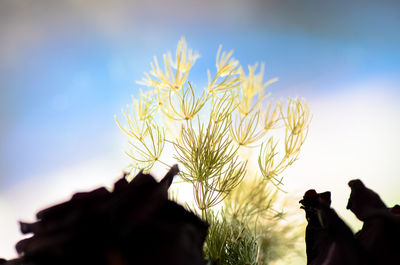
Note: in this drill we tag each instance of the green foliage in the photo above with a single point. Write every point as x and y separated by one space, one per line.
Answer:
211 162
209 131
230 242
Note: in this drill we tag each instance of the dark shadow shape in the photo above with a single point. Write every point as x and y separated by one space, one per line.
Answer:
328 239
380 233
136 223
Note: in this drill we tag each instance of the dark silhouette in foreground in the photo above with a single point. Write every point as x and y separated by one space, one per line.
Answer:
380 234
328 239
133 224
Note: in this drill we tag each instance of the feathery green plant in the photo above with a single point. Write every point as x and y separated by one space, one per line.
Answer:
208 132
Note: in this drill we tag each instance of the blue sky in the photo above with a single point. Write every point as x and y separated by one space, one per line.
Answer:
67 67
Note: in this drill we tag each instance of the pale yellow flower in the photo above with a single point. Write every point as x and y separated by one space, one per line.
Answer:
244 130
222 107
297 116
147 151
227 76
137 116
175 72
252 89
271 117
185 106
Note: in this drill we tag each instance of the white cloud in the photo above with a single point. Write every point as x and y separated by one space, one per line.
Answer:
354 134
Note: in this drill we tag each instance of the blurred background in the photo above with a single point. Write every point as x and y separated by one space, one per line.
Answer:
68 67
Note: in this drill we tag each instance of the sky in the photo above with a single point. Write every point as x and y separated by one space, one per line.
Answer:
68 67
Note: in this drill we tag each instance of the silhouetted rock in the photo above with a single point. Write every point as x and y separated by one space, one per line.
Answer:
328 239
395 210
133 224
363 201
380 234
